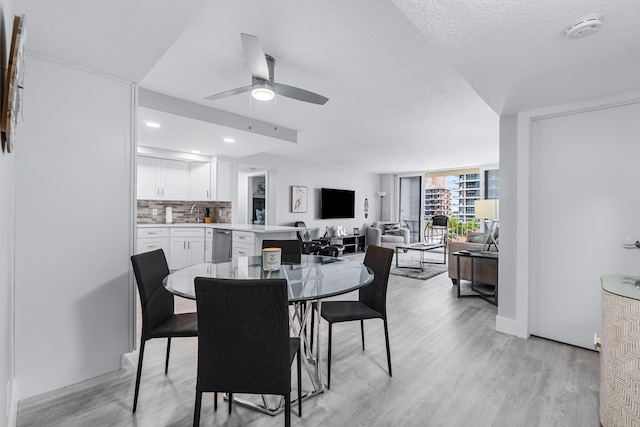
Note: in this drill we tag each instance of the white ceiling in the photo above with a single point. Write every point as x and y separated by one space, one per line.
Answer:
412 85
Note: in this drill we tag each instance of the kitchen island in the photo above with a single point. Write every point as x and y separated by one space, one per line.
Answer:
191 243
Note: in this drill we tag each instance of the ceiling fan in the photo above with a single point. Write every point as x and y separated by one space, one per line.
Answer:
263 87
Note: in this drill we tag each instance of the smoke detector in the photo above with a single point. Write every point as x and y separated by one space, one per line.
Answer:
584 27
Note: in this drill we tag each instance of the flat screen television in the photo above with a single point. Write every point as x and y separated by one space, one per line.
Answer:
337 203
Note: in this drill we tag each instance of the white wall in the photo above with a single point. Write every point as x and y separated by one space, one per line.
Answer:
593 242
314 176
74 222
7 236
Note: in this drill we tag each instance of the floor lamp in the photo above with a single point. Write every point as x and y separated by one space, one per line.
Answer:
381 194
488 210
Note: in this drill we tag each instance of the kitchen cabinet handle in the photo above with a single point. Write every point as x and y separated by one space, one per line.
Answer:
188 245
184 245
152 246
152 232
158 191
163 192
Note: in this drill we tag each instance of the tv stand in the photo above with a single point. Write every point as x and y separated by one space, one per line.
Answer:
352 243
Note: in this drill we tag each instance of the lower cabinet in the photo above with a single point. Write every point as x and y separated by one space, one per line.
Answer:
243 243
186 247
150 239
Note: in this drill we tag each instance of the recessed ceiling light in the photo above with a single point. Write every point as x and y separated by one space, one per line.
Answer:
195 151
152 124
229 140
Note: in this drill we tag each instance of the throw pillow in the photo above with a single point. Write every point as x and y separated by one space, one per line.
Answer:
391 226
477 238
394 232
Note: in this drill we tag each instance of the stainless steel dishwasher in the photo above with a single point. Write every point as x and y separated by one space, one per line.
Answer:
221 245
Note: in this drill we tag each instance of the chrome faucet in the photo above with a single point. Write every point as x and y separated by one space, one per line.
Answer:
197 214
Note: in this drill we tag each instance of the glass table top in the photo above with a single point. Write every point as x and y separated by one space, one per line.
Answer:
625 286
314 277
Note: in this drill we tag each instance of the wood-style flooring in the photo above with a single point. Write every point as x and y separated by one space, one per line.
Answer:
450 368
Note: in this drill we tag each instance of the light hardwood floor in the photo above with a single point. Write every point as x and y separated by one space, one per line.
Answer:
450 368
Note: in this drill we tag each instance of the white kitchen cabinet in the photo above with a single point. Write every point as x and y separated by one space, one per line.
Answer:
200 180
210 181
187 247
152 238
243 243
147 178
162 179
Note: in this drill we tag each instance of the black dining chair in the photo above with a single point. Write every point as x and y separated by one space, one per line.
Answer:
158 317
291 249
371 304
243 343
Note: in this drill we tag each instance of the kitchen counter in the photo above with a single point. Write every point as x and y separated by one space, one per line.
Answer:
225 226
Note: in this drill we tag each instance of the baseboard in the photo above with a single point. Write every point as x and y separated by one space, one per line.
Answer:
506 325
13 403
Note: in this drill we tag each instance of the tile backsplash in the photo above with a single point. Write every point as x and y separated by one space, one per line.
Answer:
181 211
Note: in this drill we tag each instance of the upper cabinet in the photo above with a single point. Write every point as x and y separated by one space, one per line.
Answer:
162 179
178 180
201 184
211 181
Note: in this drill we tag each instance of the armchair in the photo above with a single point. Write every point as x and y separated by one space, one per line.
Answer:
388 234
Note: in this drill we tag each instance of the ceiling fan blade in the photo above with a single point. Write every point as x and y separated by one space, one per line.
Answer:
227 93
255 56
299 94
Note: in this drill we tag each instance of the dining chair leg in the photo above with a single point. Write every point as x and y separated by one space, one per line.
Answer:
287 409
215 400
230 402
362 332
313 316
299 383
386 338
138 374
196 410
166 363
329 357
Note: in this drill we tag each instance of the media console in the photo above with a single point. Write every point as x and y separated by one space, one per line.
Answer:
351 243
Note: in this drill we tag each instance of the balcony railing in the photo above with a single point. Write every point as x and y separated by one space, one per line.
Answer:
457 228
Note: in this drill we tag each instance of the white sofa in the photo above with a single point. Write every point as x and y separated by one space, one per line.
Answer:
383 233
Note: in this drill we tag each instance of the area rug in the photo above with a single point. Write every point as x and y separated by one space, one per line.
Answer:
430 270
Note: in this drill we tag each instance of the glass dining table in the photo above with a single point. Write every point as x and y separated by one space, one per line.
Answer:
310 280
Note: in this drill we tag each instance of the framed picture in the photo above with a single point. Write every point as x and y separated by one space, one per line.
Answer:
298 199
356 231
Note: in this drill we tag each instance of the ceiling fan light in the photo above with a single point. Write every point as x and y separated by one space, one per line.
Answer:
262 93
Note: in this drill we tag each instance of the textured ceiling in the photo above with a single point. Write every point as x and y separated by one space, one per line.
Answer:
516 55
412 85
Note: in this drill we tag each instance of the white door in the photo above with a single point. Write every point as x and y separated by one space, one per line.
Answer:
584 203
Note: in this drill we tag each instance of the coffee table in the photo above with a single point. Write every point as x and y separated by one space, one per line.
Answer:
422 248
